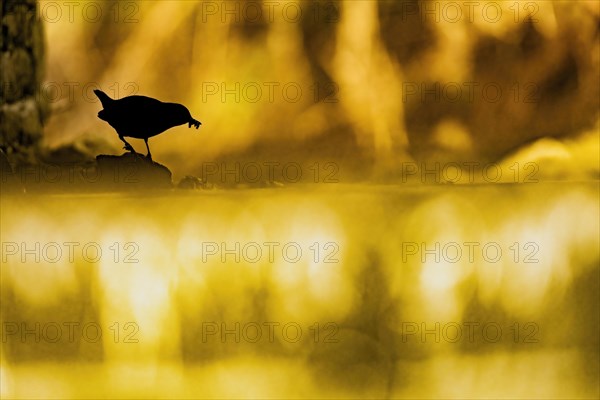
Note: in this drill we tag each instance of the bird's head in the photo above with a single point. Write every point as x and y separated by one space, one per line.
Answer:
182 116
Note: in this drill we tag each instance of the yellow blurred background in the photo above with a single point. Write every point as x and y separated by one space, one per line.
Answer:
379 290
367 84
362 313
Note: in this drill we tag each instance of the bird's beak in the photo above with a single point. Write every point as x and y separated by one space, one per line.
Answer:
195 123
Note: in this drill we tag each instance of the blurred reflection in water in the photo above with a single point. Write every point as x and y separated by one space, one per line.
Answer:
366 292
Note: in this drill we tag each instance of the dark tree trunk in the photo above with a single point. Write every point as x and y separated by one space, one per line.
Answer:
22 110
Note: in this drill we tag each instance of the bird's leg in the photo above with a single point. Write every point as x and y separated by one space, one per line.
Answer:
127 145
149 155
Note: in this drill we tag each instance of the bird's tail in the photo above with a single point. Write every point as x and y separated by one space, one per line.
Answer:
104 99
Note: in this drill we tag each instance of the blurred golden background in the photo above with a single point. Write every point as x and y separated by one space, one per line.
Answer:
145 294
368 295
367 84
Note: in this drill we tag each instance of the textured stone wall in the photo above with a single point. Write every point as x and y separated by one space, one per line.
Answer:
22 111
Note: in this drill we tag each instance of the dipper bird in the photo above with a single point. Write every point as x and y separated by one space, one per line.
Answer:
142 117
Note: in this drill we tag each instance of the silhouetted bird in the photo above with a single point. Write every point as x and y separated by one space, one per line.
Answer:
142 117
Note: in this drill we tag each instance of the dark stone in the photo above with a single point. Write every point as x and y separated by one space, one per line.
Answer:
193 182
131 171
67 169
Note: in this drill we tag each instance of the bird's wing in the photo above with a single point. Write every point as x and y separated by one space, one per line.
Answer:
136 107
